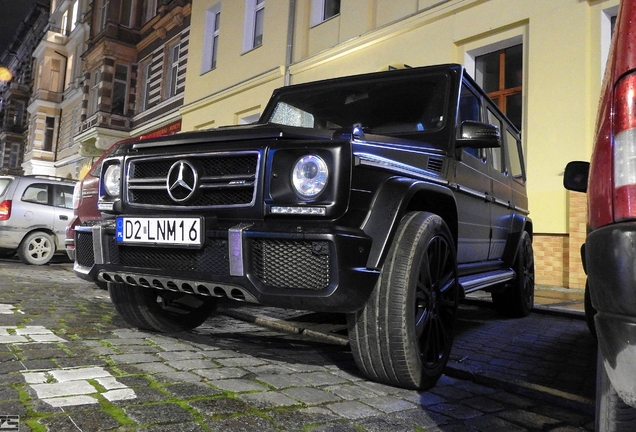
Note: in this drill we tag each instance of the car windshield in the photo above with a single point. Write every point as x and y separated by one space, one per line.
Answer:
387 106
4 183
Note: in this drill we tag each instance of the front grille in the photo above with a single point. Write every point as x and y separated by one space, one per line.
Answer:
212 259
84 249
292 264
224 180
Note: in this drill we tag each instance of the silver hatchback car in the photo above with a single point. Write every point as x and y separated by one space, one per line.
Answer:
34 212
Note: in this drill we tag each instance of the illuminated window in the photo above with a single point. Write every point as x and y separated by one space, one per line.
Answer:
500 74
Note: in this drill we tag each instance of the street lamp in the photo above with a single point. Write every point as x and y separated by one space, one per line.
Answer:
5 74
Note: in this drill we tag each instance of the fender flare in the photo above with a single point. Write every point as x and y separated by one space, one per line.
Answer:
519 224
395 197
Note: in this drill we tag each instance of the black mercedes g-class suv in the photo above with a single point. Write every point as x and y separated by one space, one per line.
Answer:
386 196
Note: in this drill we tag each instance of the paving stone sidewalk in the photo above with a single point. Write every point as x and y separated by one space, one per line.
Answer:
95 373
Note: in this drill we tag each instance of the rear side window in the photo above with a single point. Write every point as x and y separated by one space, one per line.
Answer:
36 193
514 153
63 196
4 184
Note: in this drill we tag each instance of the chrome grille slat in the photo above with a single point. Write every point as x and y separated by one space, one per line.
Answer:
226 180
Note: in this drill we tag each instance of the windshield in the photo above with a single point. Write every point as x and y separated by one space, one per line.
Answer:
407 105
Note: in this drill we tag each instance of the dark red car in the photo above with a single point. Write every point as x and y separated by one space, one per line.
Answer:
609 253
85 200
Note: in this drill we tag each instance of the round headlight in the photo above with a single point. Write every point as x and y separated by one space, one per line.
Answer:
309 176
112 180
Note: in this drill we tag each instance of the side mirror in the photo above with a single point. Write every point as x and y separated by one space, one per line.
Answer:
478 135
575 176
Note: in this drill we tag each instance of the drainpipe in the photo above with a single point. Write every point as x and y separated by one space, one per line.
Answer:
59 124
290 41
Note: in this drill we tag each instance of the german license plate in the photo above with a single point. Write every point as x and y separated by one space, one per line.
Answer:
173 231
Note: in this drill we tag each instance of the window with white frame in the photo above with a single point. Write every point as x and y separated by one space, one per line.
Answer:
254 20
65 23
93 97
74 14
103 15
211 40
172 69
150 10
322 10
498 69
146 69
120 90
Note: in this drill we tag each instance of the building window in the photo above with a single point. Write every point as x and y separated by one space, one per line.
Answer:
18 113
146 70
14 155
322 10
173 69
74 14
48 134
500 74
65 23
150 10
54 76
211 41
93 97
127 13
120 90
103 15
254 18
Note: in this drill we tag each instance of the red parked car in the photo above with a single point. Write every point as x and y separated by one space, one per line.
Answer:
609 253
85 197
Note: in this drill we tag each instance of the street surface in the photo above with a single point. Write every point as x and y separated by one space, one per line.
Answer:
69 363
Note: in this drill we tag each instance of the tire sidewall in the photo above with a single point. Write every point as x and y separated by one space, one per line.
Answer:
433 227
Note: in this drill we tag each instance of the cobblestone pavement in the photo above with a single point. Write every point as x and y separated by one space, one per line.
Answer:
69 363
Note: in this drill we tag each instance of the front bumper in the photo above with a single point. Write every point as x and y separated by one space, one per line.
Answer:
276 264
610 255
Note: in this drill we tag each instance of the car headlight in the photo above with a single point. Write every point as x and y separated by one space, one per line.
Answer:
112 180
309 176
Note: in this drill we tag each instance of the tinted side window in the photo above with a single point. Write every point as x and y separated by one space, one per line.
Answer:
514 152
36 193
63 196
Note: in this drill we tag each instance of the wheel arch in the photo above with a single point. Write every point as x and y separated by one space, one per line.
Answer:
396 197
519 224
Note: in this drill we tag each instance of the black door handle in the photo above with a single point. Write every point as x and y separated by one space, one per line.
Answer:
63 217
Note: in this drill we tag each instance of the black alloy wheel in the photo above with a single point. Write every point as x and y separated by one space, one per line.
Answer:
404 334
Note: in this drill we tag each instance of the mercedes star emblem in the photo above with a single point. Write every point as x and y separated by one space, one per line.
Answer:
182 181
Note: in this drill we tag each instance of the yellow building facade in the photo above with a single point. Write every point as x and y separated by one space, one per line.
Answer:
241 50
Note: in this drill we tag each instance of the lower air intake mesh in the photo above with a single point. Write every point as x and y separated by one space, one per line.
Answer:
292 264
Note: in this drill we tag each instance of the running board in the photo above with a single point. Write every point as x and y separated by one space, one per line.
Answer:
479 281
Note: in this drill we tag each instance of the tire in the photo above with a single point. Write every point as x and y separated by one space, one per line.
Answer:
404 333
517 300
36 248
158 310
612 414
590 312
